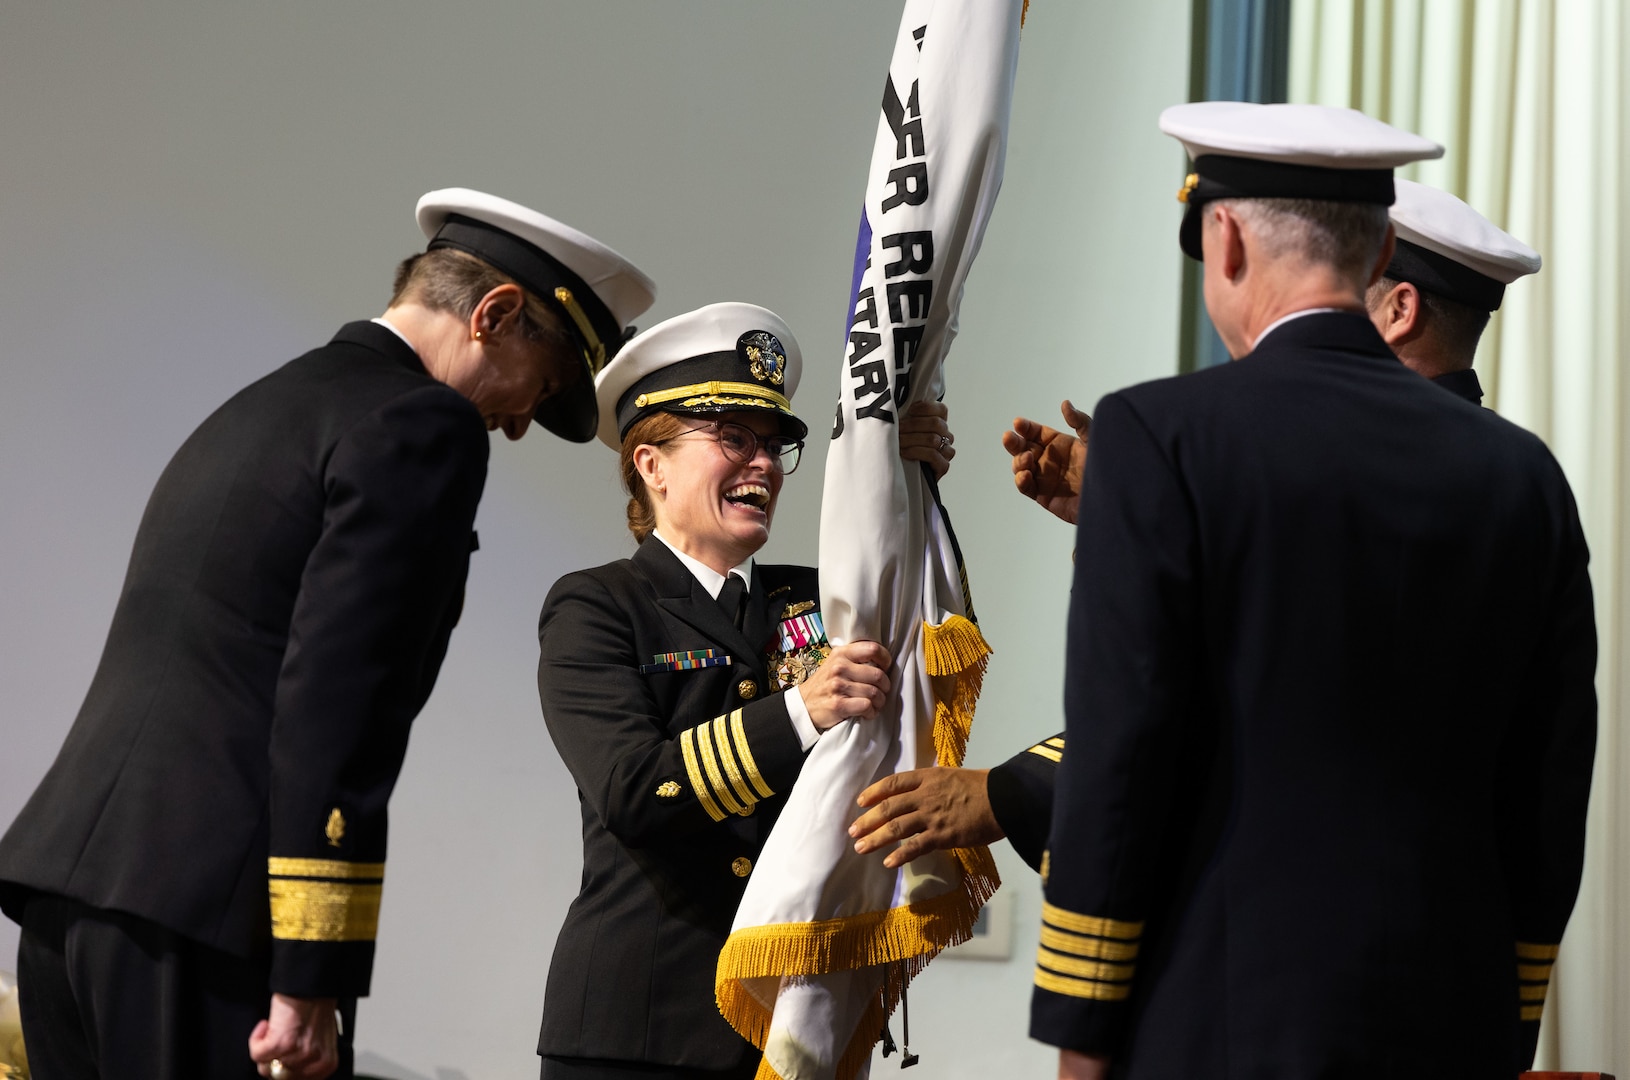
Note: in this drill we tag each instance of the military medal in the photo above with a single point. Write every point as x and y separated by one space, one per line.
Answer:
802 644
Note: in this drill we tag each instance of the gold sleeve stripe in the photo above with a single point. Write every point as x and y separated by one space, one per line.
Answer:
1083 969
1531 1012
1082 988
1090 924
721 738
1527 950
324 910
1047 752
738 730
721 790
698 782
1090 947
1534 972
1056 742
1531 993
323 868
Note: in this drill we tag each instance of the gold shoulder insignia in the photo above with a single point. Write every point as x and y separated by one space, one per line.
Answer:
794 610
669 789
335 829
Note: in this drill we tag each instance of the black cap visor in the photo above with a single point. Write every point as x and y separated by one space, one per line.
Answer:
572 414
707 385
1434 273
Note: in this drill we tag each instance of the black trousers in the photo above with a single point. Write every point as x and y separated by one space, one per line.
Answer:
559 1068
108 996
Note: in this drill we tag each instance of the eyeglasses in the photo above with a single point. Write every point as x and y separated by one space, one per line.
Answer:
740 444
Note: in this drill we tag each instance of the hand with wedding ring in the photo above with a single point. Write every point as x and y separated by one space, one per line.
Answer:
299 1039
925 436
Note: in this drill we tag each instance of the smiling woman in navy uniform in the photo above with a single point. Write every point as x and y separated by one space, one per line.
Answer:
683 688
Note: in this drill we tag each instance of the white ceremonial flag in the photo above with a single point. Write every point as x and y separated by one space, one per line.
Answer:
825 940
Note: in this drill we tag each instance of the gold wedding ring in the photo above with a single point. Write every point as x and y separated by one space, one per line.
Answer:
277 1070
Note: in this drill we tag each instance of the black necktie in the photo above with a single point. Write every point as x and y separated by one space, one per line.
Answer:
733 598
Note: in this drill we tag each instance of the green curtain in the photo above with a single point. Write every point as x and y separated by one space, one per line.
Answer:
1530 99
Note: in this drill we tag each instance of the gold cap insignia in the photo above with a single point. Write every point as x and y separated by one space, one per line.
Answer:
1190 182
794 610
765 355
742 866
669 789
335 829
748 689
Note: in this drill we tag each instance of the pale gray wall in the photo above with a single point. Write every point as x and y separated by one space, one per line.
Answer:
192 193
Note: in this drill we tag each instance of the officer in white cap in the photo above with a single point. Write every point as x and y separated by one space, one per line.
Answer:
1448 273
1447 276
683 687
1321 811
199 875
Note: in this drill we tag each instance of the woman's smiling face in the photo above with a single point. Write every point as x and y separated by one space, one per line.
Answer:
707 505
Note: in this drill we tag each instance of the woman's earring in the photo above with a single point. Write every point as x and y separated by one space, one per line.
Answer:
478 335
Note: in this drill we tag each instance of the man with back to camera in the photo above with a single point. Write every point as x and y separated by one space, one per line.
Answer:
212 834
1323 807
1448 274
1291 690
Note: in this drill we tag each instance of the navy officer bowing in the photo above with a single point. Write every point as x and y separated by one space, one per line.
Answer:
198 876
684 687
1328 691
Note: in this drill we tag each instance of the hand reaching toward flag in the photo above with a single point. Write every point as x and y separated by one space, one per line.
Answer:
925 810
1047 464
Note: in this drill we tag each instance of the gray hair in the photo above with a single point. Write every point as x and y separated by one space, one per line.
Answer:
453 281
1345 235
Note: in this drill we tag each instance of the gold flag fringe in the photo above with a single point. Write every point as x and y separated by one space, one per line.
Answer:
901 940
954 651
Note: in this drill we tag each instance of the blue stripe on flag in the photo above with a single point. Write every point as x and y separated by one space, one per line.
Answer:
863 255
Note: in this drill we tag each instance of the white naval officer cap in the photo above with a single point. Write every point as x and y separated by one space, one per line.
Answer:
1242 150
721 358
597 292
1446 247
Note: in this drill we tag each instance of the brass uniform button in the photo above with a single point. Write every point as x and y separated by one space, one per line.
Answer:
742 866
748 689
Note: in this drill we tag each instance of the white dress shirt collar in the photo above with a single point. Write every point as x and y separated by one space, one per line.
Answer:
710 578
388 325
1282 320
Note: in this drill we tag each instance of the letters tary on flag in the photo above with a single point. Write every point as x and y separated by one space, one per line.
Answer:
824 940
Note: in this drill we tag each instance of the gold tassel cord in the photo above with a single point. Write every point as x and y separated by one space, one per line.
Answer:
859 1051
955 656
